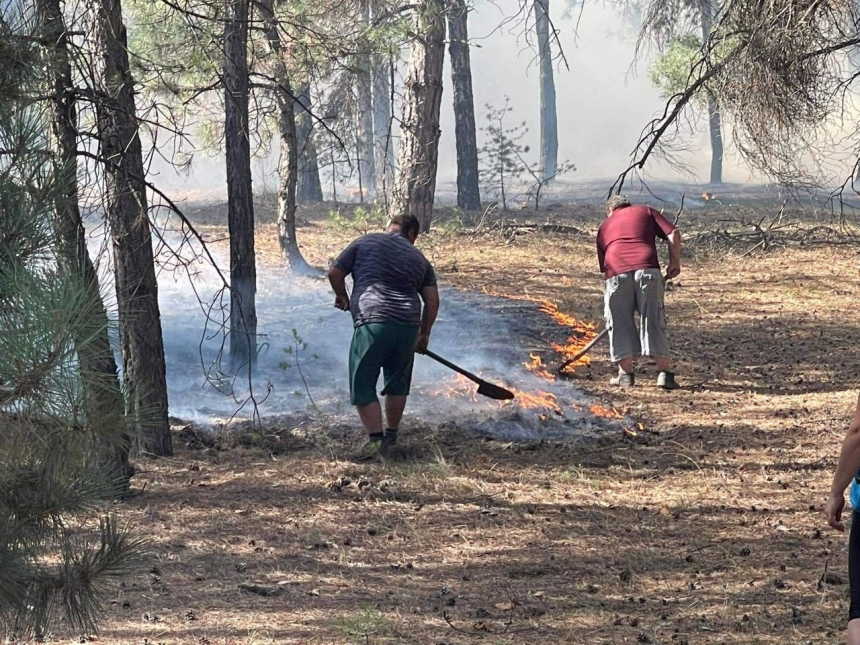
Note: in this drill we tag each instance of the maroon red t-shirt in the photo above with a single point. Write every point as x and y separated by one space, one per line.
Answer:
626 240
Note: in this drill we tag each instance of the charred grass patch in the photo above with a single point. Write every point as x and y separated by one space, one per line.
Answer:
705 527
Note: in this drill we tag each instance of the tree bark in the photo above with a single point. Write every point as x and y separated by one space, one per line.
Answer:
104 405
419 130
364 95
309 188
127 215
468 192
715 129
288 153
382 69
240 202
548 117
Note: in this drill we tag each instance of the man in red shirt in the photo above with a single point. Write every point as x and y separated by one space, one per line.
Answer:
627 252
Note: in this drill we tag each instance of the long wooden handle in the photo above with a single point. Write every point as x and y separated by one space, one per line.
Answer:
456 368
584 350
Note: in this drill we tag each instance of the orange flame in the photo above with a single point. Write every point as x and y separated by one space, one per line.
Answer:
606 413
537 399
582 334
536 365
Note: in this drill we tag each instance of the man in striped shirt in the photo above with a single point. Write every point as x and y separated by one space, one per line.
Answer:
391 278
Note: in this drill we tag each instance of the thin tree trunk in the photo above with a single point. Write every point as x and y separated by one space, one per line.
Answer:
240 202
127 215
422 100
548 117
309 188
288 154
468 192
364 92
382 124
103 401
714 120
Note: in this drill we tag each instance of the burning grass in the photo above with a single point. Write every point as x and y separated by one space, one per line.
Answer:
700 523
580 334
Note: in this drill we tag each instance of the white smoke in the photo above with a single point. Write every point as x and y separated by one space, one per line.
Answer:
488 336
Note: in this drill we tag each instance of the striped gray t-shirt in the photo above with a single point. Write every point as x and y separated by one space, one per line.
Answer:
388 272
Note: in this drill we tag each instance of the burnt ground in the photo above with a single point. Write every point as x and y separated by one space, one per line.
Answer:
705 527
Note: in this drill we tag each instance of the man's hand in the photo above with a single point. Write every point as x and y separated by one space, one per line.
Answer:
422 342
833 511
673 271
341 301
337 278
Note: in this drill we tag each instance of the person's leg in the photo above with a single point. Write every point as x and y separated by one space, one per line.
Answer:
365 360
652 324
854 632
371 416
854 580
394 406
619 309
664 363
397 374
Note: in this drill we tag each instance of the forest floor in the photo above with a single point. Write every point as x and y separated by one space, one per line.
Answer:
705 527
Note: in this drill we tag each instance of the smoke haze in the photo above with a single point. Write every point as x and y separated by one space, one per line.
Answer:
603 102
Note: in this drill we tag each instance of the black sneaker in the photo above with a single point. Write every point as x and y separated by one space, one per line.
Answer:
623 379
666 380
389 437
375 447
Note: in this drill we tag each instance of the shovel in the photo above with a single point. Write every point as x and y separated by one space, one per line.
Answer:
484 388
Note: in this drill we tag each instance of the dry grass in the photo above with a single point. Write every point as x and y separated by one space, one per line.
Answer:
706 528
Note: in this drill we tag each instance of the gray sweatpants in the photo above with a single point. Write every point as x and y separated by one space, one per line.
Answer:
624 295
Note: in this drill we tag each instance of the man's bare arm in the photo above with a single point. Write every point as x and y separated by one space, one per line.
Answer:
849 463
337 279
430 296
674 241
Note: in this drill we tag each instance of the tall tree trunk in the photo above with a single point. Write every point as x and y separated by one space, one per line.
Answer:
309 188
134 265
468 192
382 69
103 401
419 130
240 202
548 117
714 121
364 95
288 154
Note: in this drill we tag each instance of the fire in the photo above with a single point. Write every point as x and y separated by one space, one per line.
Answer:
606 413
537 366
458 387
537 400
581 334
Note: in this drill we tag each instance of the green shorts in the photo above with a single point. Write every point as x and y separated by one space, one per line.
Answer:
388 346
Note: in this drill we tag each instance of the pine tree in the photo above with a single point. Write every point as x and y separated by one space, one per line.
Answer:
55 549
422 100
548 115
468 192
240 201
127 214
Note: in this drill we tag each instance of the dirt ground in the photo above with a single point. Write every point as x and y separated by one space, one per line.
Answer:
705 527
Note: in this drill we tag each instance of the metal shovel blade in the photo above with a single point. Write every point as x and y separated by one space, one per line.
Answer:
484 388
494 391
